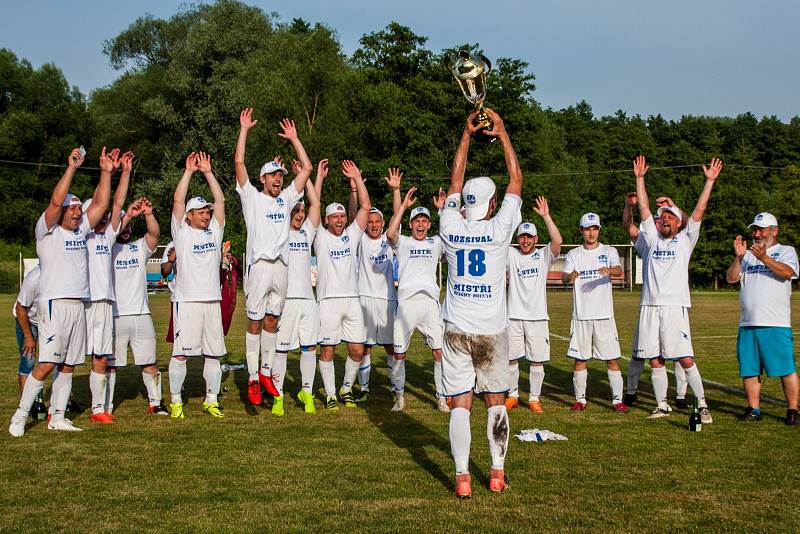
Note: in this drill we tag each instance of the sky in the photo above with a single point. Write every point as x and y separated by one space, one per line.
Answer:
674 58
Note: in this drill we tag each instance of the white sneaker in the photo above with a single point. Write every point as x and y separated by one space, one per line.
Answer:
705 416
17 426
658 413
64 425
442 406
399 404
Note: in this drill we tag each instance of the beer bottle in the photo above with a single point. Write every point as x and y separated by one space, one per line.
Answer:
695 424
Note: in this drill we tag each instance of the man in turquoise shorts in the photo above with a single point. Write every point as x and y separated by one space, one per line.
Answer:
765 340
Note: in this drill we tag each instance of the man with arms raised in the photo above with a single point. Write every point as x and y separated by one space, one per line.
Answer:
63 285
266 214
475 348
197 229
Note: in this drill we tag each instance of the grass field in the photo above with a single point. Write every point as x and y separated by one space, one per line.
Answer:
368 469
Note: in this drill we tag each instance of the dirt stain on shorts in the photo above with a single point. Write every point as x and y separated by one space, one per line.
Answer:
482 348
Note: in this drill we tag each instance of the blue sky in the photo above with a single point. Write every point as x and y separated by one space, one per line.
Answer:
677 57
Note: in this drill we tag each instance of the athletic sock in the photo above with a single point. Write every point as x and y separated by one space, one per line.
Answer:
328 374
635 368
579 384
681 384
696 383
397 376
252 346
615 381
308 368
97 386
267 351
350 372
177 374
536 379
390 360
62 387
460 438
363 372
111 383
437 378
513 378
497 433
30 391
279 370
212 373
152 383
756 411
660 384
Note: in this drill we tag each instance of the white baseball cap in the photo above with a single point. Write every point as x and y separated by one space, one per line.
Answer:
675 210
477 194
526 228
376 210
419 210
764 220
195 203
300 202
590 219
334 207
70 200
273 166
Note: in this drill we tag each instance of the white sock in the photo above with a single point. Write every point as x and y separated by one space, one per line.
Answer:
152 383
350 372
363 372
497 433
460 438
62 387
681 383
513 378
615 381
390 360
536 378
111 383
252 347
437 378
579 384
328 374
397 376
660 384
212 373
635 368
267 351
177 374
308 368
696 383
97 386
30 391
279 370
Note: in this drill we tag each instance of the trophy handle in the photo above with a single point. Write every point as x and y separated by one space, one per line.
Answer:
488 63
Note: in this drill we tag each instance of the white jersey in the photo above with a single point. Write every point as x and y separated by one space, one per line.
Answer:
765 298
591 293
29 295
665 270
198 255
527 283
300 261
101 270
477 254
376 268
63 261
336 262
417 261
267 221
165 259
130 277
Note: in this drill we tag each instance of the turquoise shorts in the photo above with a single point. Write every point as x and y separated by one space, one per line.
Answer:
765 348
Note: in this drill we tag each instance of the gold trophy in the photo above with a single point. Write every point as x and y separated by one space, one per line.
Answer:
470 72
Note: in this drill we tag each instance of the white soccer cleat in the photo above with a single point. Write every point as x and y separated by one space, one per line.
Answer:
441 405
658 413
705 416
399 404
64 425
17 426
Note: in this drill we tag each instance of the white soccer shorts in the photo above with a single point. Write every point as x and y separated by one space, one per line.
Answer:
298 325
474 362
379 317
265 288
419 312
341 319
138 332
198 329
62 332
664 332
99 328
596 338
529 339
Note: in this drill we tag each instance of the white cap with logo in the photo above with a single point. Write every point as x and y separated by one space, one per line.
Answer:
419 210
70 200
197 203
590 219
334 207
764 220
376 210
273 166
526 228
477 194
675 210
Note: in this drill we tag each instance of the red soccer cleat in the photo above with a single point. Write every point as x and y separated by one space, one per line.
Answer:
512 402
102 417
269 387
497 480
578 406
620 407
464 486
254 392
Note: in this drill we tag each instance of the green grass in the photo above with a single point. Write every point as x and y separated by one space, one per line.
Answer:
368 469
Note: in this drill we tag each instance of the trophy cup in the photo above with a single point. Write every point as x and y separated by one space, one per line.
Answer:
470 72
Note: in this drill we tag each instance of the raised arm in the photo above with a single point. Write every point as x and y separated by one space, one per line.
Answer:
512 164
393 231
711 172
153 231
352 202
122 189
352 172
734 272
314 205
289 131
640 168
179 198
204 166
322 173
245 123
542 209
102 193
627 216
460 159
53 211
393 181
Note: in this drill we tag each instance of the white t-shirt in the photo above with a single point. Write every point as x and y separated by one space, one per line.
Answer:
63 261
165 259
591 292
417 261
665 266
376 268
300 262
765 298
267 221
101 270
130 277
336 262
29 294
477 255
527 283
198 255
